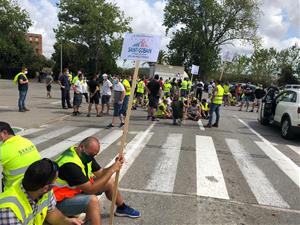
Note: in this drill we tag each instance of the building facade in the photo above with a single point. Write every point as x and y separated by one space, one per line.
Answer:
36 41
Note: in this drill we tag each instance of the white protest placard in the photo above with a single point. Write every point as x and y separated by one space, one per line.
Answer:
141 47
195 70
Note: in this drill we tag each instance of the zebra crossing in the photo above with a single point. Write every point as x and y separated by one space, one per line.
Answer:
210 178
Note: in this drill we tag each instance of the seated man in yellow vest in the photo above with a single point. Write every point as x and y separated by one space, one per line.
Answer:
163 112
81 178
16 154
204 108
31 201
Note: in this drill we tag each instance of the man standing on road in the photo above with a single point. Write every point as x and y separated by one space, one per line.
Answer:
65 85
31 200
106 93
81 179
93 86
119 95
77 100
22 81
154 91
216 102
127 86
16 154
48 81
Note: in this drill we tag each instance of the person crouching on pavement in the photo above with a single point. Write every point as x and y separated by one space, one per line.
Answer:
81 179
163 111
31 200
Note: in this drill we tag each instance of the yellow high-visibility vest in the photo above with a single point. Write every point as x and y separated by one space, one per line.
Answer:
204 106
184 85
218 99
15 199
167 87
16 78
160 112
127 86
140 87
189 84
17 153
226 89
75 79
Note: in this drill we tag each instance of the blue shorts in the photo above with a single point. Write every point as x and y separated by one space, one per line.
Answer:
74 206
77 99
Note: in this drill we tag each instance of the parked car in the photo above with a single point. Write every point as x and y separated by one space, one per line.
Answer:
281 109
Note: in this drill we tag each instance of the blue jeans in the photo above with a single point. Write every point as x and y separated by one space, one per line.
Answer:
214 108
125 105
22 98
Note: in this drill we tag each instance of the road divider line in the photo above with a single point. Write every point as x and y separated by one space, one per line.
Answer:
210 180
282 161
163 177
201 125
52 134
296 149
261 187
63 145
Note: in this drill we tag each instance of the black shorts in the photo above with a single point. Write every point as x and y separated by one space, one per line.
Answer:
48 87
153 101
95 99
105 99
139 95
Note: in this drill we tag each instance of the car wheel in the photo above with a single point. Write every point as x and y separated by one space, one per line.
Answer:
286 128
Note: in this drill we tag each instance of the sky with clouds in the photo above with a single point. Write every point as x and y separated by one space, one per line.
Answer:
279 25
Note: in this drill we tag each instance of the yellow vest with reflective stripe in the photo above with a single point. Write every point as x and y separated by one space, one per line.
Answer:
218 99
17 153
226 89
184 85
17 77
127 86
189 84
71 156
167 87
159 111
204 106
15 199
140 87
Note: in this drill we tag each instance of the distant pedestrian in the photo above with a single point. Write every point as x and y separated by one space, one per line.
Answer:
22 81
106 93
77 100
126 83
48 82
93 87
85 89
154 91
118 98
65 85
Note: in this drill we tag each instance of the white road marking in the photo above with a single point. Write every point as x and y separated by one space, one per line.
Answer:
261 187
283 162
4 107
109 139
210 180
201 125
52 134
295 148
30 131
133 149
63 145
55 103
163 177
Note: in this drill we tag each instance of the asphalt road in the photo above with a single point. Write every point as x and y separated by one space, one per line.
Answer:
239 173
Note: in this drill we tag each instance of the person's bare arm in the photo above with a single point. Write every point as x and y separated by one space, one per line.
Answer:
55 217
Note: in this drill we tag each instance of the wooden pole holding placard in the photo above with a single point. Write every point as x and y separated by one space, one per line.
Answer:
123 141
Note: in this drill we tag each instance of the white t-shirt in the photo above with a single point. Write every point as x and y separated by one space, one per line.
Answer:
106 88
119 87
78 86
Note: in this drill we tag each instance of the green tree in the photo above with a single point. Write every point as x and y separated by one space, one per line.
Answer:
205 25
96 26
15 51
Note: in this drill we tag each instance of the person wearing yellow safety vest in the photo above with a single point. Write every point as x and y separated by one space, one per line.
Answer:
167 87
31 201
204 108
22 81
189 85
216 102
226 93
16 154
163 111
127 85
140 92
184 88
81 179
65 86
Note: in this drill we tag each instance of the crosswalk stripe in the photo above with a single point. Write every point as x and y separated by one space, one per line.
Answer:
261 187
55 103
52 134
63 145
210 180
201 125
109 139
282 161
295 148
30 131
163 177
